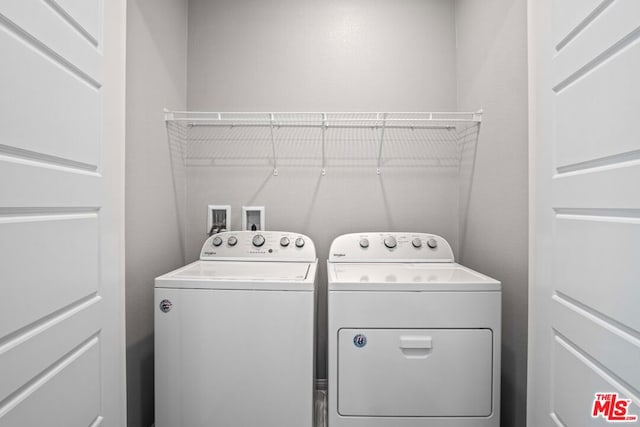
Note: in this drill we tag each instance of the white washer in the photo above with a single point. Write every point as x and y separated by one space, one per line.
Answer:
234 334
414 338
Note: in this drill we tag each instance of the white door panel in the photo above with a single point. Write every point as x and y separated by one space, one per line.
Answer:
84 15
576 376
61 213
592 120
46 30
570 14
598 337
41 180
49 262
611 186
65 395
24 359
597 42
585 208
50 107
596 263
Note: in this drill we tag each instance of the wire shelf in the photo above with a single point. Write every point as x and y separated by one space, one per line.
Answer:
436 144
435 139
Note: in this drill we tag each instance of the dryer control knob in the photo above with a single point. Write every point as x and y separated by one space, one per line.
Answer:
284 242
217 241
364 243
258 240
417 243
232 241
299 242
390 242
432 243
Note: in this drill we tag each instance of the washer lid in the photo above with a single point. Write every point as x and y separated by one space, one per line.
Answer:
242 275
407 277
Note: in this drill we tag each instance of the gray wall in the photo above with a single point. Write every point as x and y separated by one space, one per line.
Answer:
492 72
156 78
333 55
337 55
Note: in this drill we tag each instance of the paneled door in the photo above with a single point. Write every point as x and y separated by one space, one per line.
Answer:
584 326
61 213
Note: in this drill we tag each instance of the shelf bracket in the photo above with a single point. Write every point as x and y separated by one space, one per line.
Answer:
384 123
273 145
324 129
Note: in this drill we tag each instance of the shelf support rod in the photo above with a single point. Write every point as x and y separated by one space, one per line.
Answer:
384 123
273 145
324 128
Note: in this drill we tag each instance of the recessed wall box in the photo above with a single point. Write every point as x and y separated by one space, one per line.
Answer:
253 218
218 218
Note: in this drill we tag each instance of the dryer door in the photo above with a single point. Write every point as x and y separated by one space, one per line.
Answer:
415 372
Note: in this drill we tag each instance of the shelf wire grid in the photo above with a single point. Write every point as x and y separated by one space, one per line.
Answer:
323 140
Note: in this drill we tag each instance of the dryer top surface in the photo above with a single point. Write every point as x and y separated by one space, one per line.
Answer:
407 277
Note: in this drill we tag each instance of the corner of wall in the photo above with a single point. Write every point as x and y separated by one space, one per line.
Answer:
491 73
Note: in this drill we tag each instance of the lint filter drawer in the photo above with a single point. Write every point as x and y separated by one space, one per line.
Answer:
415 372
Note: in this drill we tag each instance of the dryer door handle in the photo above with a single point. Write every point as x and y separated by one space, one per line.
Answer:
416 347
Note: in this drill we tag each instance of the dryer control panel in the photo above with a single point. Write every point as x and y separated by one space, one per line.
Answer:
390 247
258 246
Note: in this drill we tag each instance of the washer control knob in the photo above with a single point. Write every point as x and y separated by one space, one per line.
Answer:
284 242
258 240
232 241
432 243
390 242
217 241
299 242
417 243
364 243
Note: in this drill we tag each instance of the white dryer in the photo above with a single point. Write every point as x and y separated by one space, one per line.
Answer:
234 334
414 338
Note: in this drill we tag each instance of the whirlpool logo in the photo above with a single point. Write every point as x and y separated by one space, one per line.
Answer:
165 306
359 340
339 255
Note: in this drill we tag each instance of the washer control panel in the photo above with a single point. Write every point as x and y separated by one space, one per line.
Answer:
390 247
258 245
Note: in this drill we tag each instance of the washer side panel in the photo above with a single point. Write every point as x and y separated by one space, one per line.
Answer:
219 352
